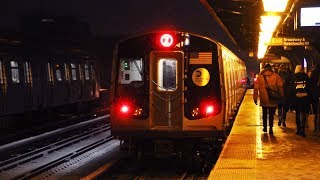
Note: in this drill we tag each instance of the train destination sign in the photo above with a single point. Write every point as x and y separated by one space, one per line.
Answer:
288 41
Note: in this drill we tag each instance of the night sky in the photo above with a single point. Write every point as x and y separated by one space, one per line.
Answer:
119 17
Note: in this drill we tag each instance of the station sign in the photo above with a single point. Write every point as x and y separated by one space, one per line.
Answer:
288 41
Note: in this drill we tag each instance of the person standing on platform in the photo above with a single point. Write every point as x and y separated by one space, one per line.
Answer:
301 98
315 90
283 106
267 77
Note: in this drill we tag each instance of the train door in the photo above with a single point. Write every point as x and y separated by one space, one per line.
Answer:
15 93
2 87
75 83
166 72
50 85
94 81
38 72
28 84
59 86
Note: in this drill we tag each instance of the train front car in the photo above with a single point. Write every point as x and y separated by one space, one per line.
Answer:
167 95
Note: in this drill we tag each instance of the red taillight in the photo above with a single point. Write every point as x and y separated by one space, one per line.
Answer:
209 110
124 109
127 108
206 109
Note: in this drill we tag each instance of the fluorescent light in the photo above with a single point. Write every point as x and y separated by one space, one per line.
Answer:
269 23
275 5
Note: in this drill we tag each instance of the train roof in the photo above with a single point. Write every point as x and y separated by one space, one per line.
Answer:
190 16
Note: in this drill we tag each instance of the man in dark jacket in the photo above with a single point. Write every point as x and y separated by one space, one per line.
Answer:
283 106
301 98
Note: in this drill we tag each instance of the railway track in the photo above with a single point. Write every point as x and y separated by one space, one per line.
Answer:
37 161
130 169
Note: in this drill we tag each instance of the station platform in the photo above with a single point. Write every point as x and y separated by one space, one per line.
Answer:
250 153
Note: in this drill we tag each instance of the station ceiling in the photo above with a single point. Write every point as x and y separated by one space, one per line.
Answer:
242 18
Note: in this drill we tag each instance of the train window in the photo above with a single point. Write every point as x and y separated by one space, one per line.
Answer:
14 72
167 74
86 71
50 73
1 74
92 72
130 71
58 72
73 71
27 73
80 72
66 71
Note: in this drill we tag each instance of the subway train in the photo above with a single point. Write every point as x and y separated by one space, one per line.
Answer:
40 79
173 92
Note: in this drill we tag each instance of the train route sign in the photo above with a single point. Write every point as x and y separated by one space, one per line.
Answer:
200 76
288 41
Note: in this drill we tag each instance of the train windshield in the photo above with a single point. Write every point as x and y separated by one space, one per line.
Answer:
130 77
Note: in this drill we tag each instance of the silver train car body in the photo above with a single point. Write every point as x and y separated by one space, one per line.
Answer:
173 91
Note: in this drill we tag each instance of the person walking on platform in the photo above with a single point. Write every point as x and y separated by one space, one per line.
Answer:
267 77
315 90
283 106
301 98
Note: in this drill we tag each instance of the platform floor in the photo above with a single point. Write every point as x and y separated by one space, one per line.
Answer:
250 153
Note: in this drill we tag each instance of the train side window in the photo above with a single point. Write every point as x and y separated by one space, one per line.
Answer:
58 72
27 73
167 74
80 72
1 74
66 71
49 72
14 72
92 73
73 71
86 71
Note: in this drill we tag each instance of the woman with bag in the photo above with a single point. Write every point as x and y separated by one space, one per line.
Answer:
301 98
267 78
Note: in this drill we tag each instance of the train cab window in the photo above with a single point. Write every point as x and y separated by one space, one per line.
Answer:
131 82
49 73
27 73
167 75
86 72
73 71
66 71
14 72
1 73
58 72
130 71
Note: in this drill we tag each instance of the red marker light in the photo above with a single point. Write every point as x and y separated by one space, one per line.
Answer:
166 40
